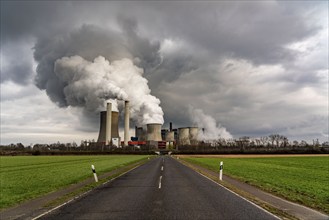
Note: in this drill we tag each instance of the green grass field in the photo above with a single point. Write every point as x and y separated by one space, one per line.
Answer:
27 177
300 179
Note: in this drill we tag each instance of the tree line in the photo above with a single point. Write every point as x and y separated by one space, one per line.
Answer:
272 141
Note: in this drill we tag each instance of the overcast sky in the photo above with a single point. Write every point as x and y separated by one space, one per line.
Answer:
256 67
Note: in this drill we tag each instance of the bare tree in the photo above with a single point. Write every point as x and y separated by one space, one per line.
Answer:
275 138
272 139
264 140
303 143
258 142
284 141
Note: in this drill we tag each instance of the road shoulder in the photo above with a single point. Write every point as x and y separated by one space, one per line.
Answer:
35 207
278 206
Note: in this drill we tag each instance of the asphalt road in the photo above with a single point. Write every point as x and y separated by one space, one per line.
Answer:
160 189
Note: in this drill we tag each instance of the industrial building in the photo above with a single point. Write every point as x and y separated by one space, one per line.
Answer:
150 135
109 126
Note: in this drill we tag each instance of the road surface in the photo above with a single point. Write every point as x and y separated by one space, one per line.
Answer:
160 189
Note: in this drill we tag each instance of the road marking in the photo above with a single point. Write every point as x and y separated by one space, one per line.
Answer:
160 182
83 194
237 194
162 168
220 185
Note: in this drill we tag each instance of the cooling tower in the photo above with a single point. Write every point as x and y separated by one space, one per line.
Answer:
153 132
115 125
140 134
170 136
194 132
108 123
184 136
102 128
126 130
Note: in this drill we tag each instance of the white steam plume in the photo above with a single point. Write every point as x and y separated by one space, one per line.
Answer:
89 84
212 130
115 105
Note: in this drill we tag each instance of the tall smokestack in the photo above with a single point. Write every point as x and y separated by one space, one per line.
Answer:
126 131
170 126
108 123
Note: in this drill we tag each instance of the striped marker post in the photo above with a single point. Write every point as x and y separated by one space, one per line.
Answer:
94 171
221 171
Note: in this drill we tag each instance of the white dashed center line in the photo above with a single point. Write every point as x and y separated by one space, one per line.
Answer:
160 182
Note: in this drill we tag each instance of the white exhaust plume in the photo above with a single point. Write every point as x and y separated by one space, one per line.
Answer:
114 102
212 130
89 84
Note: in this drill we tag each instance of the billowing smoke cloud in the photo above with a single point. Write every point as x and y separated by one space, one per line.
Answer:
281 52
89 84
212 130
74 69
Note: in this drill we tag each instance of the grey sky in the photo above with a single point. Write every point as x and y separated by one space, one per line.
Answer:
256 67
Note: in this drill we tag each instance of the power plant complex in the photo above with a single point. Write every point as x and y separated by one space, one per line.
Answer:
148 135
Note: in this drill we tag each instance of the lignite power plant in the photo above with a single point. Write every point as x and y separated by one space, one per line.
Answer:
148 135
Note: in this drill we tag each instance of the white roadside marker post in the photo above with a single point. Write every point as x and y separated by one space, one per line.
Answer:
94 171
221 171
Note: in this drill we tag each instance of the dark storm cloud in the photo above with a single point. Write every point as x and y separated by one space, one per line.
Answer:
21 22
172 67
21 19
18 73
89 42
256 31
143 49
16 63
182 46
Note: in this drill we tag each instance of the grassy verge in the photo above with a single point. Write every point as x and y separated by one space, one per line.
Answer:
303 180
81 190
27 177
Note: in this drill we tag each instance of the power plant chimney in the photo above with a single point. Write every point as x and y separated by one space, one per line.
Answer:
126 129
108 123
170 126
